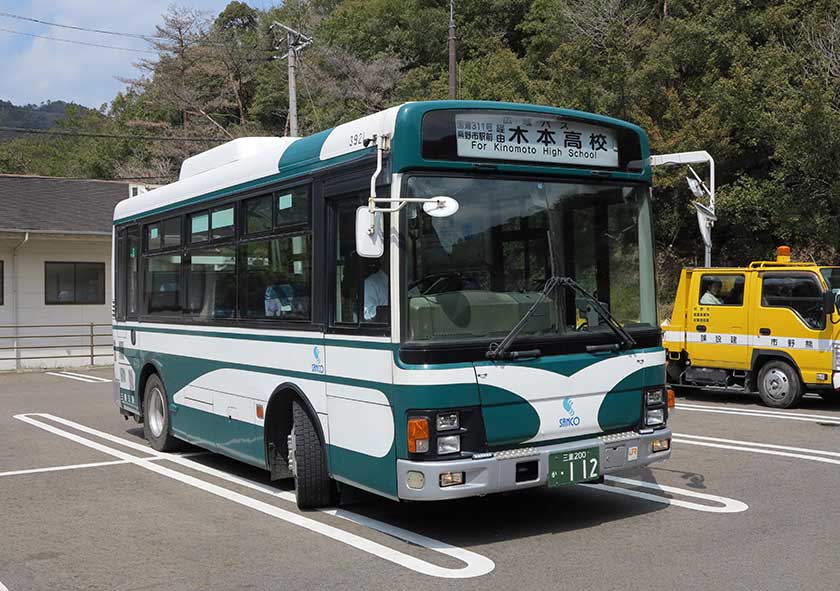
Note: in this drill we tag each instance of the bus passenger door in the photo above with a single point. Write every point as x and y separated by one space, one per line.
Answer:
126 357
717 327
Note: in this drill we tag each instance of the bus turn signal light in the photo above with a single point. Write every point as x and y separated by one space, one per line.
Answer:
672 399
418 435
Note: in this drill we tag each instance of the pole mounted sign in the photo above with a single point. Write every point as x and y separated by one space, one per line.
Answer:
706 216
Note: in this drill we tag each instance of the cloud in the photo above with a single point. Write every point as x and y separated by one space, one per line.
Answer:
37 70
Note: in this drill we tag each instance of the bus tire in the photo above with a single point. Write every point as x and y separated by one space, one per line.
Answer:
308 461
779 385
156 423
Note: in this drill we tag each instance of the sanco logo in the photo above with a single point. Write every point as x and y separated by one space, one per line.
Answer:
572 420
317 367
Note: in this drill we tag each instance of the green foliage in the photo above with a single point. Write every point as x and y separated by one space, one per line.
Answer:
754 82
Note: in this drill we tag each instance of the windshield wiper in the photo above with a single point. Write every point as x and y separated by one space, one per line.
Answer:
622 334
500 350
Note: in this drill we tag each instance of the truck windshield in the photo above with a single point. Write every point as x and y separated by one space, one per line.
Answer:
475 274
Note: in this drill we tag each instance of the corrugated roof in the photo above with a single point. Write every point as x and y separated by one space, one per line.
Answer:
50 204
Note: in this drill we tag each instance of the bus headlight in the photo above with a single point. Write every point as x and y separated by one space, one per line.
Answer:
447 421
655 416
448 445
655 397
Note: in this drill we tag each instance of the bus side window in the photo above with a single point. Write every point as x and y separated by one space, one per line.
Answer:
361 284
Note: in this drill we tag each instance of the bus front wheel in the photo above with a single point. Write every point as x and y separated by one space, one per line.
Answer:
308 462
156 425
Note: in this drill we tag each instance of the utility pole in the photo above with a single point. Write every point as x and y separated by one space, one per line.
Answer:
453 78
295 41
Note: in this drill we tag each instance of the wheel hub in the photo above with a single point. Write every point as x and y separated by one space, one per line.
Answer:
776 384
156 412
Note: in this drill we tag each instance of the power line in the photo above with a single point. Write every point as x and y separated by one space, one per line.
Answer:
79 42
75 28
110 135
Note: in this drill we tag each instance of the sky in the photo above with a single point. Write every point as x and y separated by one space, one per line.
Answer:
38 70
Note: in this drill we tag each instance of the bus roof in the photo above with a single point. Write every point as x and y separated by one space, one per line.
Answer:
248 163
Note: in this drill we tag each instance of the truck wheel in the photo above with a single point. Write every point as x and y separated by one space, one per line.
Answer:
308 462
779 385
156 426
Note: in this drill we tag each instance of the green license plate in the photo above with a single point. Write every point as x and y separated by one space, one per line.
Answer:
569 467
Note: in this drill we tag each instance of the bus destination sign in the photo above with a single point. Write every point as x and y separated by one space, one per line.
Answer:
525 137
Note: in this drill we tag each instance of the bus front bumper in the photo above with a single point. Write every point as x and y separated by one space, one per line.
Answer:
497 471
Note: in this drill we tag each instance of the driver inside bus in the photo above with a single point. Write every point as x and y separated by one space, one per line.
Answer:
376 290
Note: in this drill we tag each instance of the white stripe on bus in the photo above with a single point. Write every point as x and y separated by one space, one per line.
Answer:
728 505
476 564
767 414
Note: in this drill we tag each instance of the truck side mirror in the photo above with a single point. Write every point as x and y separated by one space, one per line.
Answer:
370 235
828 302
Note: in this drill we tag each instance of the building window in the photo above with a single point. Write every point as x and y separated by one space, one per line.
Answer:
74 283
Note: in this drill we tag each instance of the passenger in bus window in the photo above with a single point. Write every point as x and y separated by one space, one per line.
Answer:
376 289
712 295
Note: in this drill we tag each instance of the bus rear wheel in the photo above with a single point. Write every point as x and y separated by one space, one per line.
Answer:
156 425
779 385
308 462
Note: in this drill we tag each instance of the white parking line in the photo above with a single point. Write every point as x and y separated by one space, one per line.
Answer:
81 375
814 455
69 377
3 587
767 414
92 465
476 564
59 468
728 505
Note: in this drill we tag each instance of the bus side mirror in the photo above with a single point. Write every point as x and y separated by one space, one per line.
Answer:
370 235
828 302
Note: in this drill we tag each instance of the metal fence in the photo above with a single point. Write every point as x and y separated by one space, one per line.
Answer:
35 342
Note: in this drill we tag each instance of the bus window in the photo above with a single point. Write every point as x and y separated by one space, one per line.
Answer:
163 292
277 278
361 284
211 282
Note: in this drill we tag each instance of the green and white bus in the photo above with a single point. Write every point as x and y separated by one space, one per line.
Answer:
440 300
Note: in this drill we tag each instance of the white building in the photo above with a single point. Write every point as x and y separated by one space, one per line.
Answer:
55 270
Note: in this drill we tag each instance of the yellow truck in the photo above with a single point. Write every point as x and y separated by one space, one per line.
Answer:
771 327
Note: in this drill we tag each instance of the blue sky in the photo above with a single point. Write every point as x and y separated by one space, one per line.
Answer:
37 70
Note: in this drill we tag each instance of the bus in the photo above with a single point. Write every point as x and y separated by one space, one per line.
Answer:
440 300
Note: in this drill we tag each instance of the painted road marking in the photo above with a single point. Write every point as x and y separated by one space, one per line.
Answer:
814 455
728 505
88 376
768 414
61 375
92 465
476 564
3 587
59 468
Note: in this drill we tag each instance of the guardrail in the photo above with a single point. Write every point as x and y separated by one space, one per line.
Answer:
26 346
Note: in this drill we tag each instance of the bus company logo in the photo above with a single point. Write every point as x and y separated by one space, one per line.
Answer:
572 420
317 367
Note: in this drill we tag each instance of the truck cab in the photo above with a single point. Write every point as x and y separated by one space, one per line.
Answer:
770 327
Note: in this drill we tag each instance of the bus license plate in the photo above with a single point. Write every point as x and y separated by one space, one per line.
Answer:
569 467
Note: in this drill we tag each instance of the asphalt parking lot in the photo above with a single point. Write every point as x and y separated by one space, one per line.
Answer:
747 501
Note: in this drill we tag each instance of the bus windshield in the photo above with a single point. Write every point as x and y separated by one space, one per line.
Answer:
475 274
